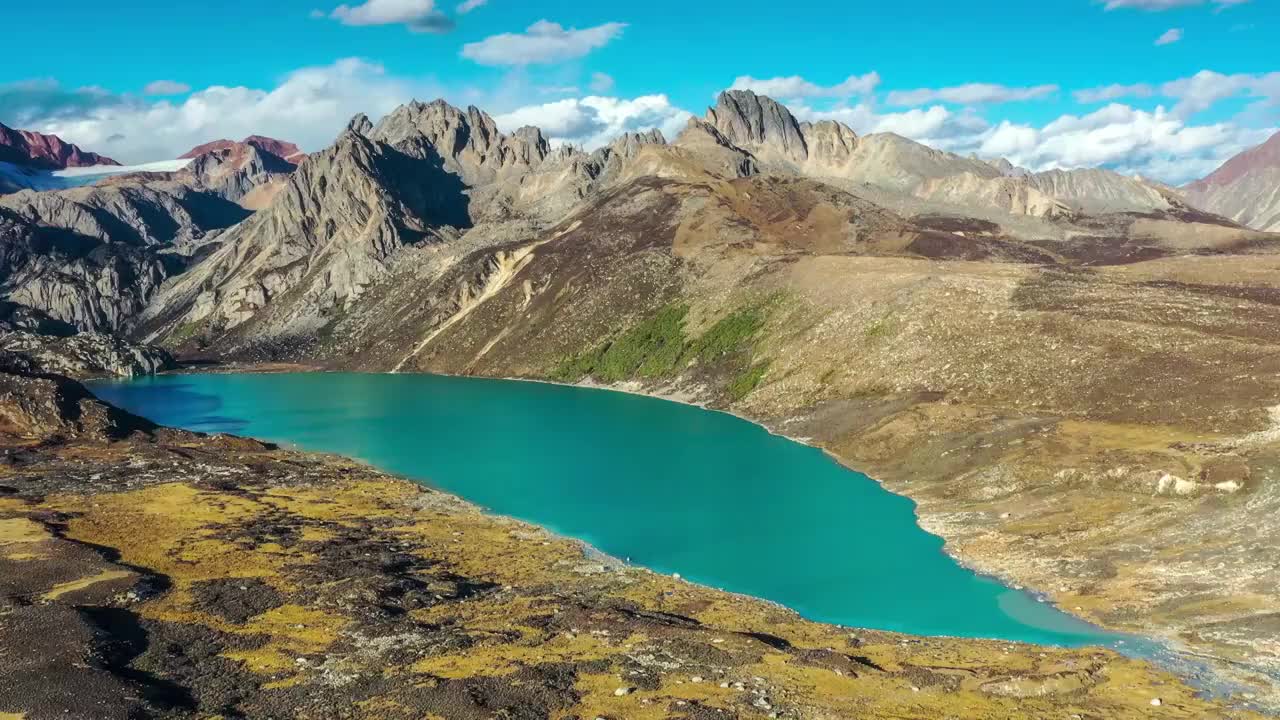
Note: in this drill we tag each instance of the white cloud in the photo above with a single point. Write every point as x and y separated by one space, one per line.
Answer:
1196 93
970 94
1107 93
1155 144
1206 88
543 42
1162 5
166 87
593 121
936 126
310 107
795 86
417 15
600 83
468 5
1170 36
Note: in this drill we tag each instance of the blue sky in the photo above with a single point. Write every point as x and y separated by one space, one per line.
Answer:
312 57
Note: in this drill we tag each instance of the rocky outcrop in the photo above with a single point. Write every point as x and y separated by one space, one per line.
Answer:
127 212
760 125
236 172
286 151
718 154
91 257
88 354
43 407
360 124
45 152
465 143
321 243
73 279
1245 189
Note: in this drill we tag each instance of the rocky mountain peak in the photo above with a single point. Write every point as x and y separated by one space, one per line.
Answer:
759 122
360 124
468 143
629 143
830 143
46 152
286 150
236 171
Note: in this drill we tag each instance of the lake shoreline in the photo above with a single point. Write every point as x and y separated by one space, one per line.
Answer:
1170 655
270 573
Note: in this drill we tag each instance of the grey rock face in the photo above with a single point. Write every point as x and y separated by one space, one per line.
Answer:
629 143
360 124
131 213
235 172
466 143
87 354
92 256
75 279
759 123
324 240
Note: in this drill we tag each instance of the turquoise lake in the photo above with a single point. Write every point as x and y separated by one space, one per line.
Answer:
666 486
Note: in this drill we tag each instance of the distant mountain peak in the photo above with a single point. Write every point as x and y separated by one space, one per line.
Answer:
284 150
46 152
1260 156
1246 188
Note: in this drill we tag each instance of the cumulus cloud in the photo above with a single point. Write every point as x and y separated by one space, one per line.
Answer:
309 106
417 15
1162 5
970 94
1170 36
593 121
542 43
166 87
795 86
1157 143
468 5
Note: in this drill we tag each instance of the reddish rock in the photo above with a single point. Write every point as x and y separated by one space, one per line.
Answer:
279 148
1263 156
1245 189
208 147
48 152
284 150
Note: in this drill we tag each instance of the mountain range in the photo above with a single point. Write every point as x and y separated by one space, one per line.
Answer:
1058 367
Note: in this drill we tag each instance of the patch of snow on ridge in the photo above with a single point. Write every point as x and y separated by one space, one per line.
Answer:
25 178
104 170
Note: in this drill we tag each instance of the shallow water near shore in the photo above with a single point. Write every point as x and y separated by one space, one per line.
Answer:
674 488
